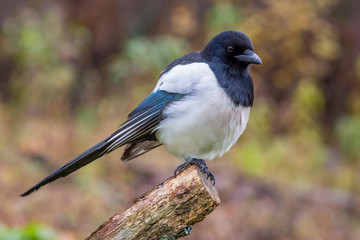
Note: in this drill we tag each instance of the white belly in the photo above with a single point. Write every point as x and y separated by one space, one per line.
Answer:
202 127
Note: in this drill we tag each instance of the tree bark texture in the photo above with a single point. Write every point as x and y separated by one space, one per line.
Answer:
166 211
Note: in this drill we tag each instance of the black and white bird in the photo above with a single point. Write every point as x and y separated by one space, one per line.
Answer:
198 109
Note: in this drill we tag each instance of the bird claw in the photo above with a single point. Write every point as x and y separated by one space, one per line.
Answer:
181 168
210 176
198 162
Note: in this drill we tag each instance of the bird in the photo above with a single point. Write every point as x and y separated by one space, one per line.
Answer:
198 109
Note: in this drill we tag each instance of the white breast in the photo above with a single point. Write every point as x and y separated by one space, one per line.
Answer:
205 123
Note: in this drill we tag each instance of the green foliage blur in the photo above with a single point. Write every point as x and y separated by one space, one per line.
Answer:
70 72
27 232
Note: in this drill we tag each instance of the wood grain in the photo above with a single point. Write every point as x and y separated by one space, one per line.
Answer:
165 211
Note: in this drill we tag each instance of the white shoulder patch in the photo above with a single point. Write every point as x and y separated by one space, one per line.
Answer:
183 78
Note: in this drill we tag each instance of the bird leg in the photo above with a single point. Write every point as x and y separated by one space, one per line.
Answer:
198 162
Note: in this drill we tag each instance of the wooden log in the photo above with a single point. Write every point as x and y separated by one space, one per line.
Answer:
166 211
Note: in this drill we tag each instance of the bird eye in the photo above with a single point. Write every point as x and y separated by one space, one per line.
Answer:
230 49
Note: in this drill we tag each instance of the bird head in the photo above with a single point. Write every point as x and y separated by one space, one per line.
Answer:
231 48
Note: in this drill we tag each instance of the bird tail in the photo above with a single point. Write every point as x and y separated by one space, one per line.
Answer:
139 126
83 159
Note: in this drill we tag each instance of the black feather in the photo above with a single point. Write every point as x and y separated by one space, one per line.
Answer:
83 159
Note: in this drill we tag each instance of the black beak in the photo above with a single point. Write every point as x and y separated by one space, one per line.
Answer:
249 57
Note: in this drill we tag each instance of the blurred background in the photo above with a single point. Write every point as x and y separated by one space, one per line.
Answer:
71 71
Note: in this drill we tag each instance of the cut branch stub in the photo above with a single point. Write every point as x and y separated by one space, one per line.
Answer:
164 212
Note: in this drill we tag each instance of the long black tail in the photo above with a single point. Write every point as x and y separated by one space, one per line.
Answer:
83 159
139 126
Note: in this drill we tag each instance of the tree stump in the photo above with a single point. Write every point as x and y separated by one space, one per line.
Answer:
167 211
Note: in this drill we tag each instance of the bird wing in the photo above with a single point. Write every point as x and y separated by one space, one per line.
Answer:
133 150
142 121
139 127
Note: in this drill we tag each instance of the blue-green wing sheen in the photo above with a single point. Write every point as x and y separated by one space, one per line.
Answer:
142 120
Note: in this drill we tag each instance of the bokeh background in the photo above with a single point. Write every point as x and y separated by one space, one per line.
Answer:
71 71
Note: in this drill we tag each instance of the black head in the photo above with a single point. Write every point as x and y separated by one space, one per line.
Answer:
231 48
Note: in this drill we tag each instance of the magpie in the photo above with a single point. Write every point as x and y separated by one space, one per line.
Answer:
198 109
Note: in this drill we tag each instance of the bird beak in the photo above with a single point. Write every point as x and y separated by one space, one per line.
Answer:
249 57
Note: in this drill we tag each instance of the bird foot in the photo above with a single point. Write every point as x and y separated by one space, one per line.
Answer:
198 162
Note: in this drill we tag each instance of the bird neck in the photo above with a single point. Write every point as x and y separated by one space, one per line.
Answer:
237 83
